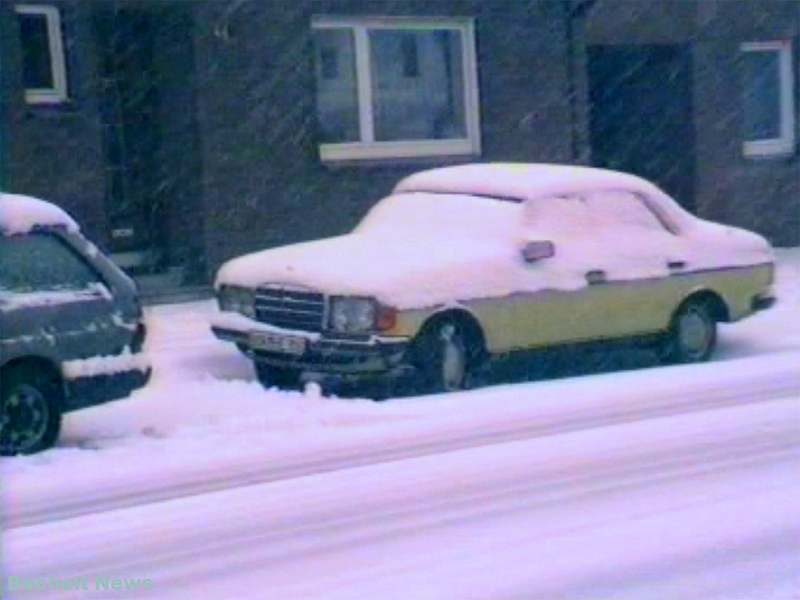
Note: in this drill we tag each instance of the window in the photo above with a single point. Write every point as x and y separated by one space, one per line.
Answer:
767 98
396 87
609 211
43 70
41 262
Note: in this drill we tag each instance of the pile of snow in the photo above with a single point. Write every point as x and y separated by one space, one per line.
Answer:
20 214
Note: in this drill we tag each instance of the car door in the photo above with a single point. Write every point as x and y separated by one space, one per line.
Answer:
54 297
608 275
633 285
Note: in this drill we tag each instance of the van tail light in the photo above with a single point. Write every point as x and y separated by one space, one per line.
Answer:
385 317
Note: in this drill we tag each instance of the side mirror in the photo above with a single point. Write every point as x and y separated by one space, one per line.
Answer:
538 250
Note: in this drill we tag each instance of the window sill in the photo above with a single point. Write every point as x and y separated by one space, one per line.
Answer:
768 149
384 151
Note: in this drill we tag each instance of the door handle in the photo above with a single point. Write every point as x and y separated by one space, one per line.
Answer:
597 276
676 265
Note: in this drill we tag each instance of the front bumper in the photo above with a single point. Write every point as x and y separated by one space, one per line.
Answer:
762 302
324 353
83 392
100 379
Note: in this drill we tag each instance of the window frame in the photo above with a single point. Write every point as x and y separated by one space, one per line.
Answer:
370 149
58 69
785 143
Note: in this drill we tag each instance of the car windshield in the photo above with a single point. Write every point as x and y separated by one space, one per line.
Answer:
447 214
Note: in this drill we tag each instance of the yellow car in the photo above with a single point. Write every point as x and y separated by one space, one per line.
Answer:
464 263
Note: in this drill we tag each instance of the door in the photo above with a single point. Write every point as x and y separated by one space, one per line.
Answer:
641 114
129 101
608 278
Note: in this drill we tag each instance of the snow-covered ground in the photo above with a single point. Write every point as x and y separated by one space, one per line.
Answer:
675 482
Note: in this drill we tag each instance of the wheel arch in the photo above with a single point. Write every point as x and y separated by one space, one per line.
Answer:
39 362
460 314
714 300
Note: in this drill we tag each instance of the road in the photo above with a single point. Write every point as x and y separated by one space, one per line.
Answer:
681 504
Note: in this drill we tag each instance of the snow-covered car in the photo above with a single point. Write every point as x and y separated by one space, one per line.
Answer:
71 328
463 263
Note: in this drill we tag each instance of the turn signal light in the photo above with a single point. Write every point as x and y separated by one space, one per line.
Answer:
385 317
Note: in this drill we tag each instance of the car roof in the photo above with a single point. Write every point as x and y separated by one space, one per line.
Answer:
530 181
522 181
21 214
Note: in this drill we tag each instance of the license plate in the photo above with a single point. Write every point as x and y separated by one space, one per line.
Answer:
275 342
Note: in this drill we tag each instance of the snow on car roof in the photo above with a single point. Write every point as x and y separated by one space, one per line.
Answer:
20 214
527 181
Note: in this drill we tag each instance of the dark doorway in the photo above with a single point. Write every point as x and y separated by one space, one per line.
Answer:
129 112
641 114
151 145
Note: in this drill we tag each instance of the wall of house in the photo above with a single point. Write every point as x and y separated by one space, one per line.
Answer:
759 194
263 182
55 152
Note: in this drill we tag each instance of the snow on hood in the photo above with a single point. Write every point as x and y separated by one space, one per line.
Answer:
411 250
406 274
20 214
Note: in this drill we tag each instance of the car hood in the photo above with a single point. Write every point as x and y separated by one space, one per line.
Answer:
405 272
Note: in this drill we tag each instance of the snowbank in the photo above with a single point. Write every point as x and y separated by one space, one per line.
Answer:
20 214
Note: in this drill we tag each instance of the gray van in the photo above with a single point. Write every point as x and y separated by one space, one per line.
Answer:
71 330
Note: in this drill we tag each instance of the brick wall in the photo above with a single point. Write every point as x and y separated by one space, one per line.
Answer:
264 184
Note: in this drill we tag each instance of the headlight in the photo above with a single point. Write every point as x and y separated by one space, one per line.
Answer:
353 315
237 299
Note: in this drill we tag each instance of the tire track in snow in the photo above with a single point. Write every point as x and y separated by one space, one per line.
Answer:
191 545
439 440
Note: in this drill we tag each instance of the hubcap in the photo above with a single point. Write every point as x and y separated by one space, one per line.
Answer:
23 421
694 333
454 360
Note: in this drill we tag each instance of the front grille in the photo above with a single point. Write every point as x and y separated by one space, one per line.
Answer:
290 308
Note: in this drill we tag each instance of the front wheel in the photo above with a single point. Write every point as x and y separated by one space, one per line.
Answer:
279 377
30 410
692 336
449 356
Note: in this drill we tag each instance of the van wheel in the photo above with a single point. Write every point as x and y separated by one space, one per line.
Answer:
30 410
449 357
692 336
279 377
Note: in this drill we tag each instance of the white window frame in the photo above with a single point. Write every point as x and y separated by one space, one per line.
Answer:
370 149
785 143
57 93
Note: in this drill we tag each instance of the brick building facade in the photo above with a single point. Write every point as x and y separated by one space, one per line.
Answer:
181 133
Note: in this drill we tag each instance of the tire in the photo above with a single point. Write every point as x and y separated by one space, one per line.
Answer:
279 377
449 357
30 410
692 335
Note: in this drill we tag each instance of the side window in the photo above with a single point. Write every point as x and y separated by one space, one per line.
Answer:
41 263
593 213
621 208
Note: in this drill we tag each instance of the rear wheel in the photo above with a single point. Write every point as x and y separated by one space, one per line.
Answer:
279 377
693 334
30 410
450 356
